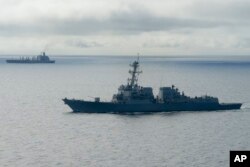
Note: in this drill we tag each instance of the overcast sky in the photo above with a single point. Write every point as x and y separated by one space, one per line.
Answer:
125 27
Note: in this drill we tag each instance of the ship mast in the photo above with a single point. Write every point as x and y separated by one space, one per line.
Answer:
134 73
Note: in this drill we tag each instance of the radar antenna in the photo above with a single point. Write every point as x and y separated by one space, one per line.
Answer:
134 73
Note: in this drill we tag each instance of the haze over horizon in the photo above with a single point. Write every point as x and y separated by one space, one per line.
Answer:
125 27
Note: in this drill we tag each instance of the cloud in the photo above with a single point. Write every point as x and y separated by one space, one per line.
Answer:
119 22
243 43
232 10
131 18
110 26
82 44
151 44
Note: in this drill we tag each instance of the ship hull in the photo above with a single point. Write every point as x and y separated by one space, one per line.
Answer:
109 107
29 61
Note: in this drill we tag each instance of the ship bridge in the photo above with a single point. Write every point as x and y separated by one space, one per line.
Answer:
132 92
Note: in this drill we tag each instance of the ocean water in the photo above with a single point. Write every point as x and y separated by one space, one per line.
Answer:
37 129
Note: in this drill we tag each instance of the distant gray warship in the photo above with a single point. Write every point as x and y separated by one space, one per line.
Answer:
38 59
132 98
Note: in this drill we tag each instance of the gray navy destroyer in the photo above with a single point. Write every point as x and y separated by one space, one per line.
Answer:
43 58
132 98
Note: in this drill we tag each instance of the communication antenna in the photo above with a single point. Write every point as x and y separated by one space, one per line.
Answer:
134 73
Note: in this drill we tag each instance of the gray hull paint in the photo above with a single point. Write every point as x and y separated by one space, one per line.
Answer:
105 107
29 61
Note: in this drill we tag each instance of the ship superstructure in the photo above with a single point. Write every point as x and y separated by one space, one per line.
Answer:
132 92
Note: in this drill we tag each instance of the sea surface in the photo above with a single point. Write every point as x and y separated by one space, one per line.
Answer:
38 130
